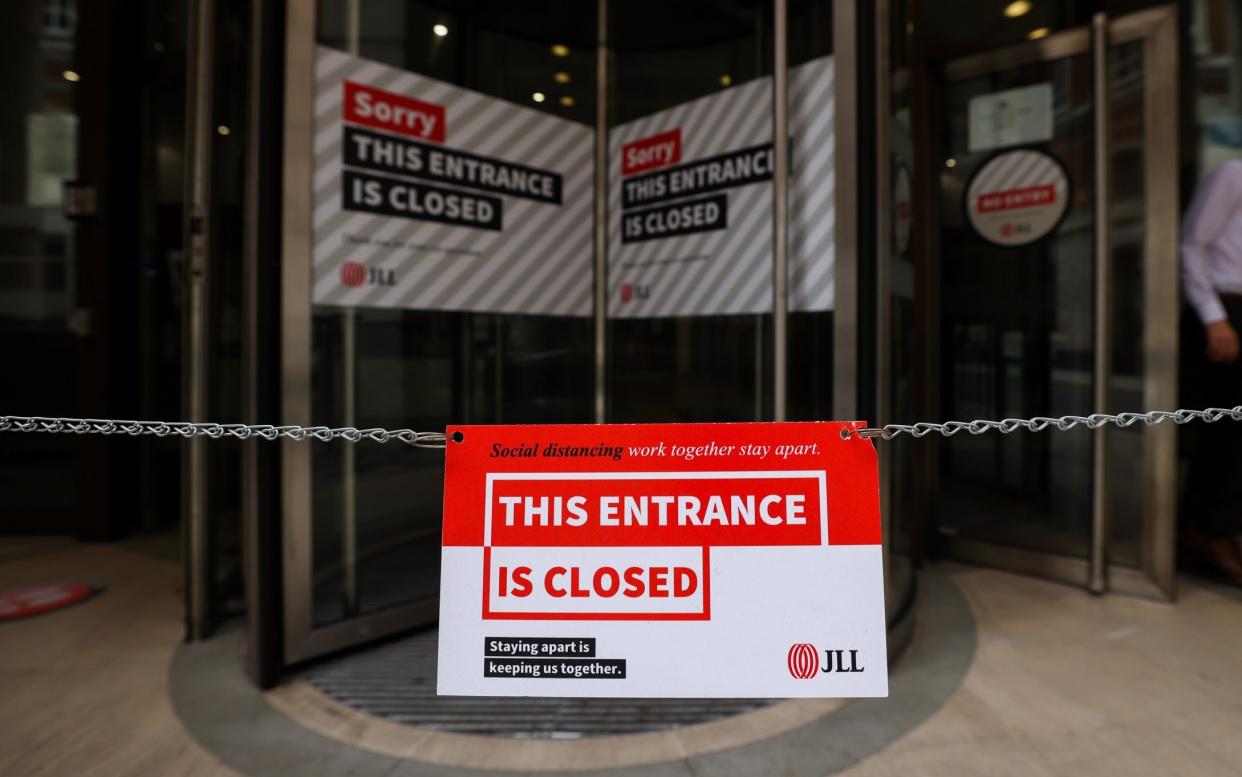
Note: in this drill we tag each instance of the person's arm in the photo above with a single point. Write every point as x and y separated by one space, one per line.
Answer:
1215 202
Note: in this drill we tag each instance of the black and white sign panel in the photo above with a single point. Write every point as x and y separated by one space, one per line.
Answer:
690 203
434 197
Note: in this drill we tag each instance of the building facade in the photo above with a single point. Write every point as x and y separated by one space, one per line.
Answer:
409 214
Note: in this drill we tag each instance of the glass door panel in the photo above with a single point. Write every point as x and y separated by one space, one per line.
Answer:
686 339
1017 323
1019 314
514 88
1127 150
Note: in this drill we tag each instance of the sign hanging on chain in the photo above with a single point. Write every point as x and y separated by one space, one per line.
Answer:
688 560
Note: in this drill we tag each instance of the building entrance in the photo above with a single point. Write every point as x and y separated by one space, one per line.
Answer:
573 218
1057 269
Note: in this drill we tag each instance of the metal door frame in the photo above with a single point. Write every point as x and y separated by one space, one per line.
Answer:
1156 28
302 639
195 539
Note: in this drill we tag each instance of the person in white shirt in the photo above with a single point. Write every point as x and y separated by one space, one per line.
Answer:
1212 282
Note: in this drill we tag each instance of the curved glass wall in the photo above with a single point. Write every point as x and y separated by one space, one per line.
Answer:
414 325
689 316
900 249
383 362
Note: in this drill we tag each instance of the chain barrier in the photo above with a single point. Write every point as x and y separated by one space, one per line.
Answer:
1039 423
12 423
183 429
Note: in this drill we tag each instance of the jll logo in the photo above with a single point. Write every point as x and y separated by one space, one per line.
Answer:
353 274
803 661
633 291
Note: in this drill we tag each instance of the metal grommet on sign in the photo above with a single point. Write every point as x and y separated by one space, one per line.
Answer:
457 437
846 432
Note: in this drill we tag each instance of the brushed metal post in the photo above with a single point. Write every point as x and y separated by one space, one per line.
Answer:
845 200
1162 295
295 325
1098 563
883 290
349 384
195 534
251 560
601 211
349 477
780 212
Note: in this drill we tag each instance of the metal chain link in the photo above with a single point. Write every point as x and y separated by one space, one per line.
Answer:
1040 423
12 423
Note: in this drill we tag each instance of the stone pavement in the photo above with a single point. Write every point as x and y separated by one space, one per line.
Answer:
1006 675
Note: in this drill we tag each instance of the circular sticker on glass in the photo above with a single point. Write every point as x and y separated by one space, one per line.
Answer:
1017 197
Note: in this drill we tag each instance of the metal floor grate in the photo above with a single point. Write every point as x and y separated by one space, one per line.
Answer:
396 680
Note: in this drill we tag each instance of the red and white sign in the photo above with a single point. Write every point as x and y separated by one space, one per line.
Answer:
652 152
374 107
38 599
689 560
1017 197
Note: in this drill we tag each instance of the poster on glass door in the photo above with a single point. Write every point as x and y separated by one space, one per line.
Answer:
690 203
434 197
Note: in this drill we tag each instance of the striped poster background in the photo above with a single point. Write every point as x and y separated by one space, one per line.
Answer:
729 271
541 262
812 187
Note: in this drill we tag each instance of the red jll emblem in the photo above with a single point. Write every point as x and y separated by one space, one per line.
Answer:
353 274
803 660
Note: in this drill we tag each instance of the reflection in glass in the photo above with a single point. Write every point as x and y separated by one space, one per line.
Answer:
38 269
1017 334
902 371
706 367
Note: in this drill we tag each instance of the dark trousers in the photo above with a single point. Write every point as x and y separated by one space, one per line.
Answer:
1213 499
